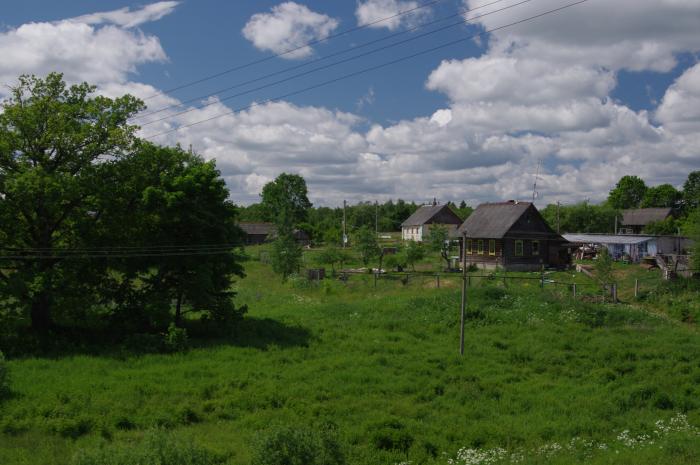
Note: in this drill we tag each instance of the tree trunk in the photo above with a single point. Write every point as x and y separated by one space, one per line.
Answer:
41 313
178 309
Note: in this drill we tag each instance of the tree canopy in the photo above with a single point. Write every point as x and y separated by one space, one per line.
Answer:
98 226
628 193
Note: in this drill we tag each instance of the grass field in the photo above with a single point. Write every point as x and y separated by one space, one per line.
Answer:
546 379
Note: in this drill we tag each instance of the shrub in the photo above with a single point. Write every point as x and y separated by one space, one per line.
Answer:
4 377
157 448
175 339
299 446
392 436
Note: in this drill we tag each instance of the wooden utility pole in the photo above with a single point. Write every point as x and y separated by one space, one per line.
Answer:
345 231
464 296
558 219
376 218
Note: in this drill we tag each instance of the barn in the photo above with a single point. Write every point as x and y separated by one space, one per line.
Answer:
634 221
257 233
513 236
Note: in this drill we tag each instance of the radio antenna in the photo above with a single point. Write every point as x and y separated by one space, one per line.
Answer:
535 194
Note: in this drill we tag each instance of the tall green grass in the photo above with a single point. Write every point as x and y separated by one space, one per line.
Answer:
383 365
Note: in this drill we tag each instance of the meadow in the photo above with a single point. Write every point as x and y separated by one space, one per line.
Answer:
545 379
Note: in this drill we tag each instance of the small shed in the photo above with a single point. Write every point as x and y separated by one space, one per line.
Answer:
417 226
634 221
511 235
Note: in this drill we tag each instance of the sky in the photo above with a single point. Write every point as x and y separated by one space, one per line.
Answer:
593 92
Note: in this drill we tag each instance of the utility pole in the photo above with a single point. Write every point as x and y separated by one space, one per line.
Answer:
558 219
345 231
376 218
464 294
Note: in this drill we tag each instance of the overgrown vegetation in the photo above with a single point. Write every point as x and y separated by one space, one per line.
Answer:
158 447
382 364
4 378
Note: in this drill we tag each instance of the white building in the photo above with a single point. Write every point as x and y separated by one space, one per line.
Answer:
417 226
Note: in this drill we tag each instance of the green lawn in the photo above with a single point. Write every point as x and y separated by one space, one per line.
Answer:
545 378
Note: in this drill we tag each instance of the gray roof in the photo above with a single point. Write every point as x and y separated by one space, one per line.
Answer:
644 216
606 239
426 213
258 228
493 220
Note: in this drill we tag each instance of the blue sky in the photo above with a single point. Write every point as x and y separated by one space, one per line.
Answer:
593 93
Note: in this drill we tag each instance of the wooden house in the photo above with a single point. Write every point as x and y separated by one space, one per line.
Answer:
417 226
257 233
634 221
513 236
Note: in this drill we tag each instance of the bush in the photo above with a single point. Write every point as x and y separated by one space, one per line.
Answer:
391 436
175 340
157 448
299 446
4 378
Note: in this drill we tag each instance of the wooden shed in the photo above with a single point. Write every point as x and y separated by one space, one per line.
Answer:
634 221
511 235
257 233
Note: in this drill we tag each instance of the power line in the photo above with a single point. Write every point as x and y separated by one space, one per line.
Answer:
121 248
321 68
292 50
316 60
367 70
122 255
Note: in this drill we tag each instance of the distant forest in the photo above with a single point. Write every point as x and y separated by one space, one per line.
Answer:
324 224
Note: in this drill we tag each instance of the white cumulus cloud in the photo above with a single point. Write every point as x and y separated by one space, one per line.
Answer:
287 28
389 13
128 18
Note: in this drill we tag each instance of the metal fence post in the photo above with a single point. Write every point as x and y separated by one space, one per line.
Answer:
574 288
636 288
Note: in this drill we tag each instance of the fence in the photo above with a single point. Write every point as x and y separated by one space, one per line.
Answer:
577 288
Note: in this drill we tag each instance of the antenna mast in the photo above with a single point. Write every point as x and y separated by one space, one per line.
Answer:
534 186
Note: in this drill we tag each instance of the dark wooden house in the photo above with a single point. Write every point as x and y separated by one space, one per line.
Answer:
417 226
258 233
634 221
513 236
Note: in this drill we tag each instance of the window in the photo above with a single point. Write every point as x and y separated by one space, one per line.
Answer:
535 247
492 247
518 248
469 246
480 247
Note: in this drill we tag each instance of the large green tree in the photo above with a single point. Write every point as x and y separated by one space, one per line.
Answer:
664 195
581 217
56 144
285 200
183 208
691 191
628 193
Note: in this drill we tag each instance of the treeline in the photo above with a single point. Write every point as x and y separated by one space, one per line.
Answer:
104 235
324 224
629 193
